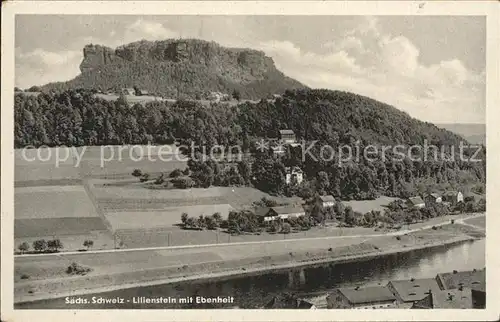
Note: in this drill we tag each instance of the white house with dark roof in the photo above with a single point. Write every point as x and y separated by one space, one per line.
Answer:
327 201
287 136
453 197
294 175
432 199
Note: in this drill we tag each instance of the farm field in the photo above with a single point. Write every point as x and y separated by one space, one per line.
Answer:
364 206
44 172
116 169
167 217
478 221
57 226
52 202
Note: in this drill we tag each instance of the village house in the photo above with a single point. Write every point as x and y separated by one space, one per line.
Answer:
453 197
281 213
128 91
294 175
415 202
409 291
288 302
287 136
326 201
460 298
374 297
432 199
141 92
474 280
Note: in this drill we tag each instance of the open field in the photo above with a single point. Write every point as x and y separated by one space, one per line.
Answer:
364 206
168 217
478 221
52 202
45 172
237 197
116 169
57 226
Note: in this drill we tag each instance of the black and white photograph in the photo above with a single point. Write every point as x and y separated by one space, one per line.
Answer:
243 161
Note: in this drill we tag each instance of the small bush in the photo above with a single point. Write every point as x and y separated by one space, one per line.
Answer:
398 237
330 249
25 276
434 228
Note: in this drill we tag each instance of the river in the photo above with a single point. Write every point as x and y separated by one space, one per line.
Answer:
255 291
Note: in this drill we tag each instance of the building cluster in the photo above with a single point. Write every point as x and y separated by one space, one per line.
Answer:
450 198
457 290
134 92
283 213
218 97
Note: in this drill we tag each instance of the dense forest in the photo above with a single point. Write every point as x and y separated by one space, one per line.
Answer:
77 117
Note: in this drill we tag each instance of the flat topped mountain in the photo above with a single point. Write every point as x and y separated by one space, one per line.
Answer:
187 67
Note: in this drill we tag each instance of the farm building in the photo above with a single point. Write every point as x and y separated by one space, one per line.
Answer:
294 175
326 201
446 299
415 202
287 136
267 214
128 91
453 197
374 297
141 92
409 291
432 199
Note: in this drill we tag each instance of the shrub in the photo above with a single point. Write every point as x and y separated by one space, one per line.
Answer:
286 228
40 245
24 247
144 177
88 243
25 276
183 183
184 218
176 173
77 269
137 173
434 228
398 237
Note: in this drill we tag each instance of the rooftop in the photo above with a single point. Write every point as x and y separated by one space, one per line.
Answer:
435 195
373 294
416 200
475 279
287 302
448 299
450 193
283 210
415 289
327 198
286 132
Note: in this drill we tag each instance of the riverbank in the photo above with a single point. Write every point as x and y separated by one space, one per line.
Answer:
118 277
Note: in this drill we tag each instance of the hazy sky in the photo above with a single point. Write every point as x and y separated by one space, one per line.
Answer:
431 67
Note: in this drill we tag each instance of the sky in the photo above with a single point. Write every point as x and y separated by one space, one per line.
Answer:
432 67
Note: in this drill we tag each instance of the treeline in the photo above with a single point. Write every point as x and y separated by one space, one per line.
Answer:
332 118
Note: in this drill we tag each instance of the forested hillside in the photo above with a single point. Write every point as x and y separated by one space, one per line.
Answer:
77 117
187 68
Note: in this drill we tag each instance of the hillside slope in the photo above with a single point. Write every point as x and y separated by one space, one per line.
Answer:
189 68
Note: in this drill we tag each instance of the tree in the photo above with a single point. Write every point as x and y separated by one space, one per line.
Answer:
137 173
160 180
236 95
200 222
55 244
40 245
184 218
350 219
274 227
24 247
286 228
210 223
88 243
190 222
175 173
144 177
217 217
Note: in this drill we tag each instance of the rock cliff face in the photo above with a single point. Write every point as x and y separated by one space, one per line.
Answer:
187 67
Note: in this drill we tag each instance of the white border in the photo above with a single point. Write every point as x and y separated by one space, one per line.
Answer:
10 8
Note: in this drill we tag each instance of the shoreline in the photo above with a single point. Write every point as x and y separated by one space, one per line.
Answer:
238 272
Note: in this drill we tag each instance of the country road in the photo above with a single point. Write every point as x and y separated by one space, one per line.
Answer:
326 238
